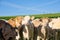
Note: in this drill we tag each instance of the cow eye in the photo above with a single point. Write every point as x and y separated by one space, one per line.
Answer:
52 23
40 20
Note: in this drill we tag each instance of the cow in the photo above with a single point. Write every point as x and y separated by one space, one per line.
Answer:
27 28
37 28
55 25
7 31
45 28
16 23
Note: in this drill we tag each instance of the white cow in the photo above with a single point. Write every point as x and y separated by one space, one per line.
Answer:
55 25
16 23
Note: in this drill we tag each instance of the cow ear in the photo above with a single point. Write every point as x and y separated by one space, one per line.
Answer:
50 19
40 19
32 18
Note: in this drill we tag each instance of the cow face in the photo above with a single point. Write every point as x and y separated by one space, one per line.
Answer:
36 22
45 21
18 21
55 23
15 22
25 20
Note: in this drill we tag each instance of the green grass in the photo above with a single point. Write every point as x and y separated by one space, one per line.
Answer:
47 15
54 15
7 17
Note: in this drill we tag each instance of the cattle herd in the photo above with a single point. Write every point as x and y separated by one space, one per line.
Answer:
29 28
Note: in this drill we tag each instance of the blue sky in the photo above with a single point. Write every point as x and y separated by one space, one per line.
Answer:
28 7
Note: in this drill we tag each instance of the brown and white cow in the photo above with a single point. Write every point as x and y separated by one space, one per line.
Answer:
37 28
28 28
16 23
45 28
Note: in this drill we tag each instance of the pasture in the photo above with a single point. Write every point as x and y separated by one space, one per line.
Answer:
54 15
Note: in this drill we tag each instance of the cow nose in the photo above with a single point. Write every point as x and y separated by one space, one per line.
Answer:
16 33
16 28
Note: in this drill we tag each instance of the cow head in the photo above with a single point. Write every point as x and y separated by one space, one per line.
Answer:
11 22
45 21
15 22
18 21
36 22
55 23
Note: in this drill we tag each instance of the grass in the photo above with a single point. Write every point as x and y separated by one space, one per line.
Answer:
47 15
54 15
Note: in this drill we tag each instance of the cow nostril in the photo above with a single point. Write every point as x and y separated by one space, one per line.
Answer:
10 38
16 27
